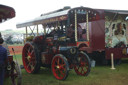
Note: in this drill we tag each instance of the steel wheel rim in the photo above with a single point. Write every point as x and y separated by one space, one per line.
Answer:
29 59
59 68
82 67
16 74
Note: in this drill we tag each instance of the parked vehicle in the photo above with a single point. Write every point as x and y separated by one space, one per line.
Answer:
55 48
13 71
71 36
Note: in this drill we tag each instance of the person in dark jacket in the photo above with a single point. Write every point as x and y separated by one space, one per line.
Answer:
5 45
3 57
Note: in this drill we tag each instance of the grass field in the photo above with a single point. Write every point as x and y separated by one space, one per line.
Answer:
99 75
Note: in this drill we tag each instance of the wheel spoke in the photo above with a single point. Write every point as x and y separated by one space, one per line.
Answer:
13 81
32 52
82 67
61 72
86 67
32 67
62 65
13 76
27 53
29 49
57 71
59 67
28 65
58 62
78 68
15 71
16 75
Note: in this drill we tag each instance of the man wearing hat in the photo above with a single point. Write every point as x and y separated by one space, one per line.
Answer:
3 57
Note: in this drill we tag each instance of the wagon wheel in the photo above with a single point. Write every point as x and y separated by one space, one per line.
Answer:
16 77
60 67
30 60
83 65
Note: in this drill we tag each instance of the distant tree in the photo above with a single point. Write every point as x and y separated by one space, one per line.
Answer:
8 30
9 40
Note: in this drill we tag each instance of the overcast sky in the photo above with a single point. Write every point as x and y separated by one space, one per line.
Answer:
29 9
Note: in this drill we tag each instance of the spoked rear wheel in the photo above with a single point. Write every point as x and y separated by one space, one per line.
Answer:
83 65
30 61
16 76
60 67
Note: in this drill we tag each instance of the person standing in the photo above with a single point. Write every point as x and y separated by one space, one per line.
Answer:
3 57
5 45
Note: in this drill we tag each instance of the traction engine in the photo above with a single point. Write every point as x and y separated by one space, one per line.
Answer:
62 44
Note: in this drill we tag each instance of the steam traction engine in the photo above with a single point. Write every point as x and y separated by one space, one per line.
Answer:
60 45
71 35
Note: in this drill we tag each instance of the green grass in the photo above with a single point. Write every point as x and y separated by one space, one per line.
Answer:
100 75
18 58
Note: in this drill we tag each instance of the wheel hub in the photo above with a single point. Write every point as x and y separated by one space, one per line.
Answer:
57 66
82 64
29 58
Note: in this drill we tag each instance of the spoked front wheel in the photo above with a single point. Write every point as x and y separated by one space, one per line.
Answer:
83 65
60 67
16 76
30 59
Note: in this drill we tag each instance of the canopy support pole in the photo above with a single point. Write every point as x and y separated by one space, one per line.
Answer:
76 26
26 32
87 27
37 31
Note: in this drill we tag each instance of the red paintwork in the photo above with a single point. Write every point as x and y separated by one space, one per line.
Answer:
117 53
71 44
59 68
38 39
97 35
54 19
46 58
49 45
28 58
10 58
49 41
83 44
81 69
97 38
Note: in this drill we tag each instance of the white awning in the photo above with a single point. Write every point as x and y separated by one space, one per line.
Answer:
39 20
